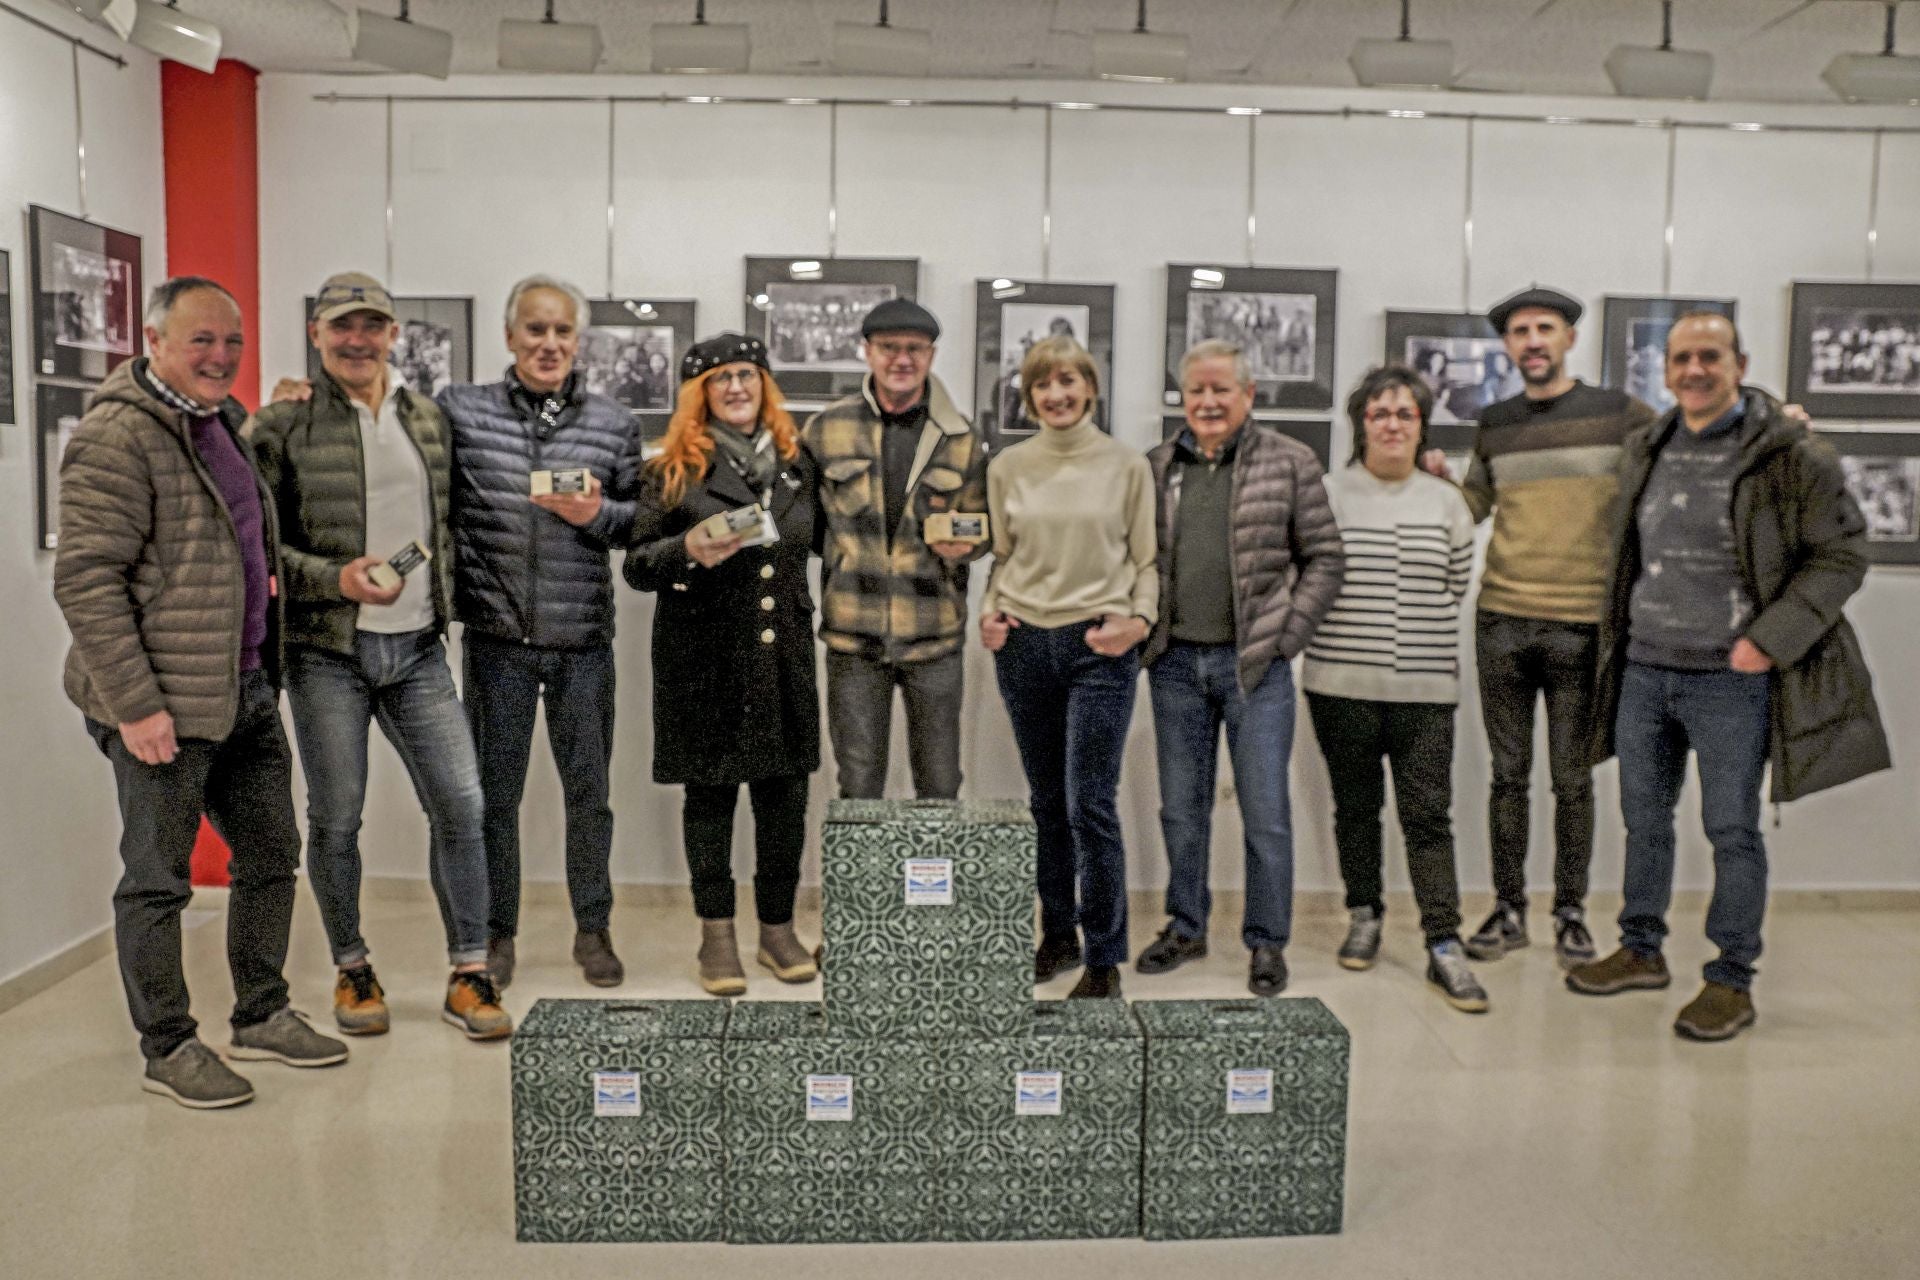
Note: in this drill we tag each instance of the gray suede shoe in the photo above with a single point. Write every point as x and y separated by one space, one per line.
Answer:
286 1037
780 951
593 952
193 1076
720 971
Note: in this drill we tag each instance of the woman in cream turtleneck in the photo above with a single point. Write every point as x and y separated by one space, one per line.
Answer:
1072 596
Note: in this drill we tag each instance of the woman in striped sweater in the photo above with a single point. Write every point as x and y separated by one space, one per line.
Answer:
1382 674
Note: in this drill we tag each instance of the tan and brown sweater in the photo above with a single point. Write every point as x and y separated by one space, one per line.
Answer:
1548 472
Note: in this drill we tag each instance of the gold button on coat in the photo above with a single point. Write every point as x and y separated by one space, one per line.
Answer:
766 602
766 637
766 571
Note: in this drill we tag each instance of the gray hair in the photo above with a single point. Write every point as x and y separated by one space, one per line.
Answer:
167 292
1218 349
581 310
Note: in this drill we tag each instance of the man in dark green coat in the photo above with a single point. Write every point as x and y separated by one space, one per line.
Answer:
1736 546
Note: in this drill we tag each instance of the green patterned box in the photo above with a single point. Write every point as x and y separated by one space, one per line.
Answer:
928 910
1246 1118
830 1137
1042 1130
617 1129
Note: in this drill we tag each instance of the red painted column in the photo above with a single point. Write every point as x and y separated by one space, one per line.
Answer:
208 127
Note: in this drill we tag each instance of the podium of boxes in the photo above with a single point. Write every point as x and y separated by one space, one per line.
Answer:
929 1097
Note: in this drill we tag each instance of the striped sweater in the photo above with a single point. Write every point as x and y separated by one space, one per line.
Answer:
1546 470
1394 632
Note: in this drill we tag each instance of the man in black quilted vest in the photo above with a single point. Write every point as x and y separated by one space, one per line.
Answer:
544 476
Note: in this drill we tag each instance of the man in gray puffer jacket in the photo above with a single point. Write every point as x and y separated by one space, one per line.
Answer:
1250 563
534 586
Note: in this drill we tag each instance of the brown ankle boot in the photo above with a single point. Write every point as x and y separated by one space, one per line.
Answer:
780 951
720 971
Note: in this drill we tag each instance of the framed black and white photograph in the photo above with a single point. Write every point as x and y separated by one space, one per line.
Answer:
434 348
57 411
630 352
1882 470
809 311
1855 350
1315 433
86 296
1009 316
8 409
1462 359
1281 317
1633 351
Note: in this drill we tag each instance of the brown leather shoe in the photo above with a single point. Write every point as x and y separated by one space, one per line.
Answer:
780 951
1624 970
473 1005
593 952
720 971
359 1005
1719 1012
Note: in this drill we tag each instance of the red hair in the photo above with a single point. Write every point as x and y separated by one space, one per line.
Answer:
686 455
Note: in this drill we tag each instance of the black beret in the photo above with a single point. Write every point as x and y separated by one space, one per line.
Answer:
722 348
901 315
1536 296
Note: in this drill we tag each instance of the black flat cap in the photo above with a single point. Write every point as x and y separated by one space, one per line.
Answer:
901 315
1535 296
722 348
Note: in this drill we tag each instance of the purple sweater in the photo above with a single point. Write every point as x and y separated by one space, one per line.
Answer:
234 476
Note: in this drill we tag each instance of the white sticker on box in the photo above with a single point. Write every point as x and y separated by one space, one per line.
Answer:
616 1093
1038 1093
1250 1091
929 882
829 1097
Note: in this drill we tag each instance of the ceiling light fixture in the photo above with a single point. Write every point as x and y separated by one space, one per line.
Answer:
401 44
881 49
701 46
1139 54
161 29
549 45
1665 72
1403 63
1876 77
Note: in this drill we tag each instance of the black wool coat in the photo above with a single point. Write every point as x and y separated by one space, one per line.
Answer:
734 693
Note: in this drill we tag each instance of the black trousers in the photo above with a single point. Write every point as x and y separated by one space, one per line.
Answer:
1416 739
779 836
244 784
1523 660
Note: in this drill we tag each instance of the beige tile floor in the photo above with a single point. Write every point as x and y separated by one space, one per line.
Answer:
1557 1136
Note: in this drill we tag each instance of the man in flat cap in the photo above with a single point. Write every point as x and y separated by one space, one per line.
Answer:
1544 466
894 606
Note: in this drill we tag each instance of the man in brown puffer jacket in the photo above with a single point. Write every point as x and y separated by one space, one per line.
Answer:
167 574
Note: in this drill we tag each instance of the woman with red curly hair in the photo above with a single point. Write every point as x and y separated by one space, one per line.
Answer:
733 663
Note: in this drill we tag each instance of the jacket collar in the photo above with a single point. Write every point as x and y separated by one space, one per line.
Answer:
940 408
1763 429
130 383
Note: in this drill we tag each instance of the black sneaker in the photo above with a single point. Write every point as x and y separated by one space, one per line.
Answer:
1099 982
1363 939
593 952
1056 955
1504 931
193 1076
1447 971
1267 971
1169 951
1572 944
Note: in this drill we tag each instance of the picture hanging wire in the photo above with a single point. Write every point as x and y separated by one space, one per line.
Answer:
79 131
1046 200
1873 207
1466 247
611 108
1666 234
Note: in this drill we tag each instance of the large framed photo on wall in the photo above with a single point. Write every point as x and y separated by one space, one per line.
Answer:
435 346
57 411
1633 344
809 310
1281 317
1855 350
86 296
630 352
1882 470
1463 361
1009 316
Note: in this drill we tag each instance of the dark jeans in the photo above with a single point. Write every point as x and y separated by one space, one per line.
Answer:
1195 690
403 682
779 835
1070 709
1723 716
860 722
504 684
1416 739
244 784
1520 660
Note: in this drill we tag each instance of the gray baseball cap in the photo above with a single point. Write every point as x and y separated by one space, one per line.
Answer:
348 292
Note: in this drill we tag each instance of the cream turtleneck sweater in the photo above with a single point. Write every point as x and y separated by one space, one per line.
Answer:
1073 538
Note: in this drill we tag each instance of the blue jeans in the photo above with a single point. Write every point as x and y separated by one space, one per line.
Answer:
1070 709
1195 689
403 682
1723 717
505 683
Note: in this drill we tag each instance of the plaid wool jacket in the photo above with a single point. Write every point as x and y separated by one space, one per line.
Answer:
895 601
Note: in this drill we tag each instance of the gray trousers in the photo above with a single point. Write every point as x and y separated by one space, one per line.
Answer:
860 722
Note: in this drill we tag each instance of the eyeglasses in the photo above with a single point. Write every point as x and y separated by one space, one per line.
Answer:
746 377
912 350
1406 417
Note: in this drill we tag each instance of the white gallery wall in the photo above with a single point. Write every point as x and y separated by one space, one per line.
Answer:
661 198
58 826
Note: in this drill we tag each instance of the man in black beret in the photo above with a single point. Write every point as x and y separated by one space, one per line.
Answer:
893 606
